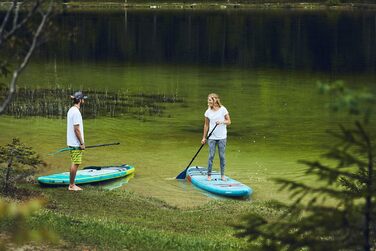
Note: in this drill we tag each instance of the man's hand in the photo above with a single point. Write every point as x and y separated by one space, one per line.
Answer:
203 141
82 146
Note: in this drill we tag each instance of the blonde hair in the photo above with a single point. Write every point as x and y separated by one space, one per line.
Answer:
215 99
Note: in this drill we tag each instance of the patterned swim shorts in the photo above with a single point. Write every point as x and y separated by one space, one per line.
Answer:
76 156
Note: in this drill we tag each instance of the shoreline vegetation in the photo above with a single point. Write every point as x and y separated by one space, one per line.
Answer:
330 4
214 5
52 103
222 5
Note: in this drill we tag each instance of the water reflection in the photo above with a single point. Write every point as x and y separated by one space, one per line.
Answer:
331 41
118 183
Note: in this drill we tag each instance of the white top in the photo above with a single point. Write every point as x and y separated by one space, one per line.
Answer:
74 118
221 131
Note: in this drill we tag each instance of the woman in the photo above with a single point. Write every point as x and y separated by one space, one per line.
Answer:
216 114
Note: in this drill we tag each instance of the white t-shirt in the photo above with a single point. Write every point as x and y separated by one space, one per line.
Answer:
221 131
74 118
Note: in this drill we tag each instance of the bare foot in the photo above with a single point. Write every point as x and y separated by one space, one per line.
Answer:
209 178
74 188
223 178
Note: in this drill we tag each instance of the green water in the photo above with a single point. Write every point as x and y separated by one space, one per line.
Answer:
278 116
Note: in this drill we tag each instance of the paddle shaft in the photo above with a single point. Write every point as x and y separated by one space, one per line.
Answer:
93 146
78 148
202 145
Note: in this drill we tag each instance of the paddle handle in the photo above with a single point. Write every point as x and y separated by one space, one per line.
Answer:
110 144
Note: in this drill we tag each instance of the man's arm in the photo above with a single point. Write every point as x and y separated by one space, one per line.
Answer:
77 131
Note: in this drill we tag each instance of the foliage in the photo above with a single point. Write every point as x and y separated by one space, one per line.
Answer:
18 162
356 102
338 212
333 2
15 218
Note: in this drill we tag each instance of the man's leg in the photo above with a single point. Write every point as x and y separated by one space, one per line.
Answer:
76 158
73 171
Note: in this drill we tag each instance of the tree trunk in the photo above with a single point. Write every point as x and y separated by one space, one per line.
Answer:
368 209
7 174
368 206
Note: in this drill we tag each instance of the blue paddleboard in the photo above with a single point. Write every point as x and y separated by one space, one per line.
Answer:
89 174
231 188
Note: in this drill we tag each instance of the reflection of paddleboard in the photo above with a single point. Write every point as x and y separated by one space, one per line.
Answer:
89 174
118 183
230 187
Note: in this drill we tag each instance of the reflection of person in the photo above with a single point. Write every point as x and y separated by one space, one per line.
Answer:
216 114
75 137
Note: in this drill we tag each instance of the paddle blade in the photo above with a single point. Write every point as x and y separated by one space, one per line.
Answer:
61 150
182 175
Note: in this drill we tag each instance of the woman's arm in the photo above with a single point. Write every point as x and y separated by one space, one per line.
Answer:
227 120
206 128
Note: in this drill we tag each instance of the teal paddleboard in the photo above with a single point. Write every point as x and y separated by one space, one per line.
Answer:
231 188
89 174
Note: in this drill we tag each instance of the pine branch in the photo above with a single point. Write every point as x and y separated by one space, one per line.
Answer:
325 172
300 190
344 158
347 137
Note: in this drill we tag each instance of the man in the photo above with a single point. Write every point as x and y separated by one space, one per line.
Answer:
75 136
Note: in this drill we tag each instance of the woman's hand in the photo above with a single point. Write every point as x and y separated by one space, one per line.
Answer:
220 122
203 141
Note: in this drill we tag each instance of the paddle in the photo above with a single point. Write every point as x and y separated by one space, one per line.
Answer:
183 174
78 148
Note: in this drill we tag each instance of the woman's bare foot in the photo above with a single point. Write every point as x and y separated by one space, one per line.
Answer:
74 188
223 178
209 178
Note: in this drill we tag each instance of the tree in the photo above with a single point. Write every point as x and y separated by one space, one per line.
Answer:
20 33
339 212
18 161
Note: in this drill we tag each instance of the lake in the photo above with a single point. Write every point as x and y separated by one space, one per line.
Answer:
264 64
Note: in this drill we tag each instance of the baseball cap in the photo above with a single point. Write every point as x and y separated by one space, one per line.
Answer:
78 95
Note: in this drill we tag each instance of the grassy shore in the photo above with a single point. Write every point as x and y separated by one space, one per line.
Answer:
120 220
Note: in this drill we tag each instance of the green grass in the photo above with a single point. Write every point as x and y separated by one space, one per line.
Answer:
122 220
